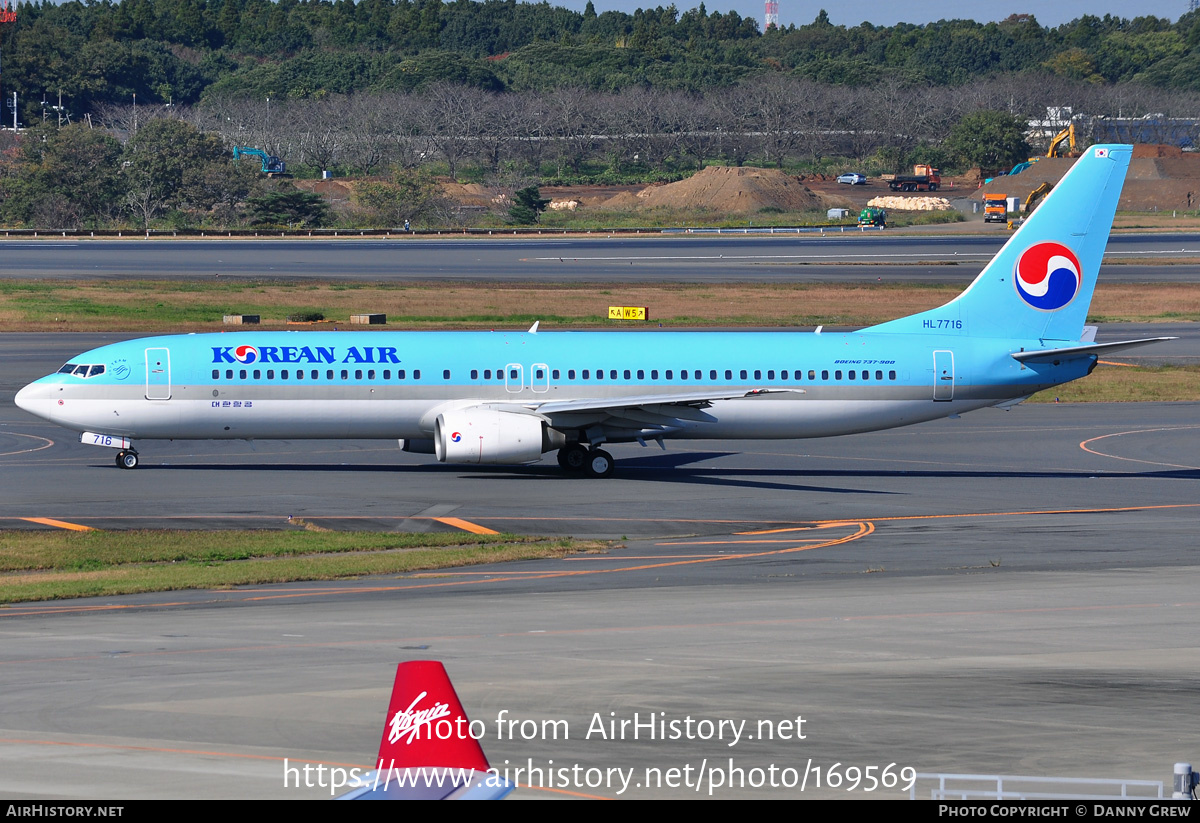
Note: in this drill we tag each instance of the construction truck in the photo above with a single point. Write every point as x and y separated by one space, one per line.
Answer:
995 208
872 217
272 166
923 178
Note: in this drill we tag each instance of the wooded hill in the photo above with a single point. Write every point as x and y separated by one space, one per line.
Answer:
184 51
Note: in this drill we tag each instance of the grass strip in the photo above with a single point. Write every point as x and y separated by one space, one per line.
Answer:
190 305
50 565
1122 384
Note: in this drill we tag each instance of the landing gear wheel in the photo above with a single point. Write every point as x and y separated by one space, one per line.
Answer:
599 463
127 460
573 458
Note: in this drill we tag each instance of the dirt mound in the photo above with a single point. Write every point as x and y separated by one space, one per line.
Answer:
468 194
1152 183
1156 150
725 189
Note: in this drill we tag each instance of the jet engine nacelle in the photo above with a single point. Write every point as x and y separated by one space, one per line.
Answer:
486 436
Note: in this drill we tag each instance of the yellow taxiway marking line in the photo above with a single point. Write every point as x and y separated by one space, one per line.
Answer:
59 524
465 525
988 514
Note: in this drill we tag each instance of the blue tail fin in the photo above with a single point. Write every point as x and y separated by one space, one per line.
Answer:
1040 284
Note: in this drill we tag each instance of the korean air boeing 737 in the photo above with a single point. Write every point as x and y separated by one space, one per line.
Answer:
508 398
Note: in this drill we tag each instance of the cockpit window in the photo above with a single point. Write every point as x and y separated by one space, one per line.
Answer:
82 370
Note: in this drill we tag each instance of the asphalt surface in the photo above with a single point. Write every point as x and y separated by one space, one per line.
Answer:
1006 593
694 258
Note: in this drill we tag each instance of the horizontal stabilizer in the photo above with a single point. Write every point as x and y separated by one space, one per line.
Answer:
1046 355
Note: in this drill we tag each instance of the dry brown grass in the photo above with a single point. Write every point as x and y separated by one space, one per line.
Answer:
191 306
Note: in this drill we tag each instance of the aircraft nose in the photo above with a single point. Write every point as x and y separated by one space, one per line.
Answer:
35 399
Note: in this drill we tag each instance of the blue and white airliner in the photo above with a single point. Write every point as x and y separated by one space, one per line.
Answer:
508 398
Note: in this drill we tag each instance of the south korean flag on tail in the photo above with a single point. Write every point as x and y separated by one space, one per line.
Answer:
1102 152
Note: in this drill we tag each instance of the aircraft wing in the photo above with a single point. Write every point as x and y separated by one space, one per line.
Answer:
697 400
1046 355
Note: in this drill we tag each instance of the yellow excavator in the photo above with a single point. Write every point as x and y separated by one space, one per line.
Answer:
1067 134
1029 204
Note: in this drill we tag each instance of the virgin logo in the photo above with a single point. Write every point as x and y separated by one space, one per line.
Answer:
408 722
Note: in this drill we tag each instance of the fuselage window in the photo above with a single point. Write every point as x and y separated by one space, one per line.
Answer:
850 374
416 374
314 374
757 374
257 374
670 374
683 374
229 374
866 375
628 374
612 374
242 374
599 374
270 374
771 374
445 374
729 374
216 373
837 375
641 374
345 374
824 374
537 373
299 374
891 375
783 375
283 374
878 375
555 374
513 374
499 374
812 374
712 374
474 374
743 374
585 374
358 374
399 374
370 374
654 374
570 374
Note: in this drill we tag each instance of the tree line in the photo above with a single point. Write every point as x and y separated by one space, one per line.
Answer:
186 51
172 165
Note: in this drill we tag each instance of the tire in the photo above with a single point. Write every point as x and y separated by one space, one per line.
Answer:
599 463
573 458
933 187
127 460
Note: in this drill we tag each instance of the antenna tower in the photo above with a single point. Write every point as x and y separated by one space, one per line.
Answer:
771 15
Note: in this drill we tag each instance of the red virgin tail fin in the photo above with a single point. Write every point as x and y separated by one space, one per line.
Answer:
426 724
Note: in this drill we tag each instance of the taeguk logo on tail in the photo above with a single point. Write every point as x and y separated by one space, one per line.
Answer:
245 354
1048 276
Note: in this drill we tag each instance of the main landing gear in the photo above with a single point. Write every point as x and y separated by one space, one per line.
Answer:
593 462
127 459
